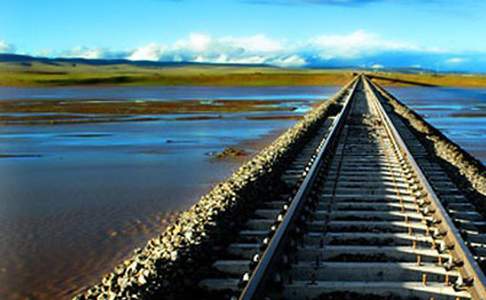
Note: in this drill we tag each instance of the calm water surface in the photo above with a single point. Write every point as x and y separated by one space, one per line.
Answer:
84 195
459 113
166 93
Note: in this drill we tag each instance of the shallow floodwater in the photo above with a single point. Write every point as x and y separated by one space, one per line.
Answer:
167 93
78 198
459 113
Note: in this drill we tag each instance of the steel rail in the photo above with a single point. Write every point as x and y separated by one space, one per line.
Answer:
262 269
469 269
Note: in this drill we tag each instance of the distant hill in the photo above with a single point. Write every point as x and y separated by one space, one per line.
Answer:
16 58
24 70
26 59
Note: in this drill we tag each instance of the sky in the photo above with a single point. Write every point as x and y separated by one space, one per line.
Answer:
441 35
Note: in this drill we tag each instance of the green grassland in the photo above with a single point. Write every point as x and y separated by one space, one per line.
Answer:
55 73
61 74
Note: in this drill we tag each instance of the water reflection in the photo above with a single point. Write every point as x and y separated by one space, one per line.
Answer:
459 113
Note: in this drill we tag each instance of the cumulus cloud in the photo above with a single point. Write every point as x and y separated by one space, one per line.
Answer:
260 49
355 44
225 59
289 61
255 43
198 47
357 48
151 51
6 47
197 42
85 52
91 53
254 49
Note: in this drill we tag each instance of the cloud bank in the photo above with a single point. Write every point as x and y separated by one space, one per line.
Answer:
359 48
6 47
256 49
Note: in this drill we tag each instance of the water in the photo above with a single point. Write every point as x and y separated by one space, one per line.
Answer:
459 113
165 93
83 195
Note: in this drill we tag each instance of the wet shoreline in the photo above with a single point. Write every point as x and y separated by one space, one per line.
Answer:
54 112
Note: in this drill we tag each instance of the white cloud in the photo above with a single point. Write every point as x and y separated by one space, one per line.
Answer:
196 42
255 43
289 61
377 66
256 49
225 59
355 44
357 48
85 52
151 51
455 60
6 47
198 47
199 42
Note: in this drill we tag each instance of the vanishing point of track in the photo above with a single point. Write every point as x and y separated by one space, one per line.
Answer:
371 217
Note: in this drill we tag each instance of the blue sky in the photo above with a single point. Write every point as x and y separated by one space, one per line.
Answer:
435 34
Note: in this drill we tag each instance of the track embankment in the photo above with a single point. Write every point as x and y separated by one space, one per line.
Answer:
373 216
165 266
361 183
468 173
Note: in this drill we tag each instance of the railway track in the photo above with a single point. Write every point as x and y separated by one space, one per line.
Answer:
364 220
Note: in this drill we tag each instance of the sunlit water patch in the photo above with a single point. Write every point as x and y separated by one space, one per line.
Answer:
459 113
167 93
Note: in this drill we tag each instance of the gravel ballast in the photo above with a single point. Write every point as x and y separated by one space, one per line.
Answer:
467 172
